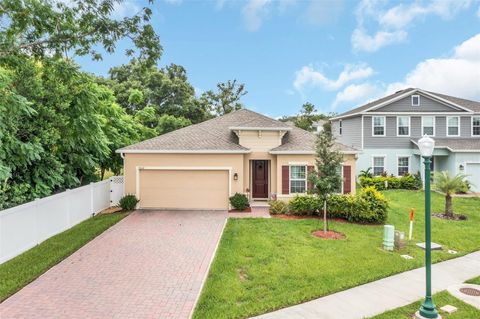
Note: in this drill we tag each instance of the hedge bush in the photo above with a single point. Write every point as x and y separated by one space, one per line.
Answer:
392 182
368 206
304 205
239 201
128 202
278 207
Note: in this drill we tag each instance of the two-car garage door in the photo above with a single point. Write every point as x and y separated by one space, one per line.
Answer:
183 189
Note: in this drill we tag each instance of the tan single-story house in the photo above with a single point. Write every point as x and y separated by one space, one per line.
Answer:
202 165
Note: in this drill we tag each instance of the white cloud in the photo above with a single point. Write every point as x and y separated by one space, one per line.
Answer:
356 93
254 12
307 76
393 22
124 9
323 12
457 74
361 41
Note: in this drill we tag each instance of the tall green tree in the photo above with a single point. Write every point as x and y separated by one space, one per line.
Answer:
165 90
306 117
50 28
326 178
226 99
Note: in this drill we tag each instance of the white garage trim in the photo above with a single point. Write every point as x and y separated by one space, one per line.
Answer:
181 168
465 165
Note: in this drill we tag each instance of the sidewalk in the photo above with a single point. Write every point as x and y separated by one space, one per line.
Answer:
392 292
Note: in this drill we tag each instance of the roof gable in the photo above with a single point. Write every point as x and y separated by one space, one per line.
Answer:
454 103
427 104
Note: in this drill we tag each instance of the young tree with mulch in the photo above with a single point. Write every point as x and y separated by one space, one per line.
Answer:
448 185
326 179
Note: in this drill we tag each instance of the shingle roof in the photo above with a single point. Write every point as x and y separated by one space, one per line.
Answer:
374 103
215 135
298 140
456 144
469 104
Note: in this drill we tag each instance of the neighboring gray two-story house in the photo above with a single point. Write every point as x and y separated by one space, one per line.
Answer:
387 130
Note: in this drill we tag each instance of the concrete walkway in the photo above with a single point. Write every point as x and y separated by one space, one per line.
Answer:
385 294
149 265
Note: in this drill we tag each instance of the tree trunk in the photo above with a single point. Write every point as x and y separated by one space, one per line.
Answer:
448 206
102 173
325 216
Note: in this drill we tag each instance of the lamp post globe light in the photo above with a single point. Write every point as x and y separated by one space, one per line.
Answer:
427 309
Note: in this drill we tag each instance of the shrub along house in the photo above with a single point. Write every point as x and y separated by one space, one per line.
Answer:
200 166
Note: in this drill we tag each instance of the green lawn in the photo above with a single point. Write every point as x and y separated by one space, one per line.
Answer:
23 269
266 264
474 281
465 311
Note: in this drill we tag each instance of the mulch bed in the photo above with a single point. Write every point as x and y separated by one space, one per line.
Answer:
246 210
110 210
338 220
330 234
455 216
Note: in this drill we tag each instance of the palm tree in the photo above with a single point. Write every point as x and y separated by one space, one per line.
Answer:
448 185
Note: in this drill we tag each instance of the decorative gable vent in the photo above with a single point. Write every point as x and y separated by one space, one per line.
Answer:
415 100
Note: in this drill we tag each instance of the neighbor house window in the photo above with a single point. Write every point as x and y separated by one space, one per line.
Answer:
428 125
403 165
453 126
403 125
415 100
378 125
476 126
340 127
298 179
378 165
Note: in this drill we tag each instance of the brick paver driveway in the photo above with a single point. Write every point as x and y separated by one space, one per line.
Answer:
149 265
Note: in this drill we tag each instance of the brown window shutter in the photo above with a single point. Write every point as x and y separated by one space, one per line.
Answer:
309 172
347 179
285 179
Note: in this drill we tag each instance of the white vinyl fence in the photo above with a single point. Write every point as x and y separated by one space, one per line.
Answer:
27 225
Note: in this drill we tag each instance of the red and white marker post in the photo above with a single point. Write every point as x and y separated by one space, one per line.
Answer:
412 216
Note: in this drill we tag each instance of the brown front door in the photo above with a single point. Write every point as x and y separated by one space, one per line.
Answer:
260 179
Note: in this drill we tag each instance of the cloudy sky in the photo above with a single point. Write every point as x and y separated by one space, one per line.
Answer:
335 54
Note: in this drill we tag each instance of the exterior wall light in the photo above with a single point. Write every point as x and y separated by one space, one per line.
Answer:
235 177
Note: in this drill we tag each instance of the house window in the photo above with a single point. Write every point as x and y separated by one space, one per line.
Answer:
453 126
476 126
403 125
415 100
340 128
403 165
428 125
298 179
378 165
378 125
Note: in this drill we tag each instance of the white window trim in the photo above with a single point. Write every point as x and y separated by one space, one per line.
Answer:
411 99
373 163
384 126
409 161
297 179
340 128
409 126
471 125
449 117
434 124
